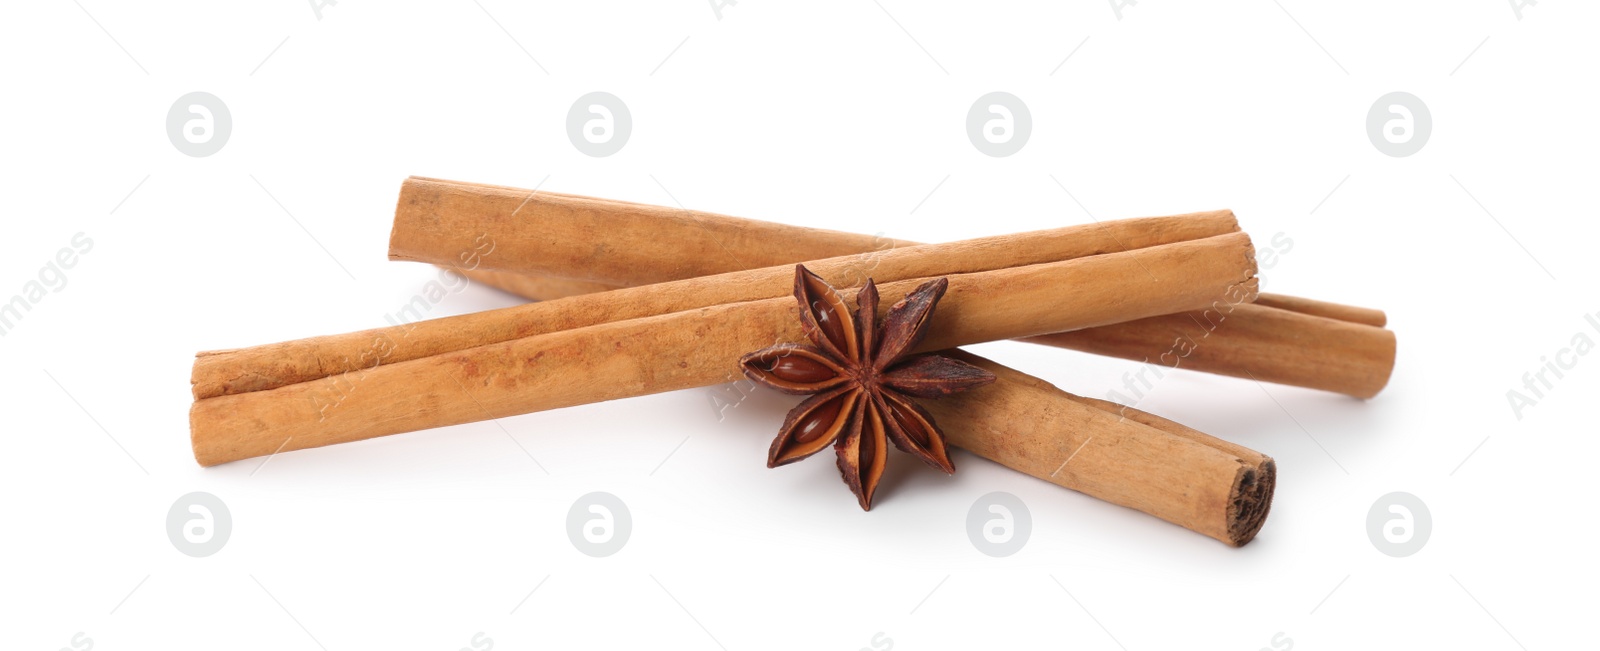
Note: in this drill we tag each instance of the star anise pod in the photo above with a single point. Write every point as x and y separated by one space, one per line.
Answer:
863 381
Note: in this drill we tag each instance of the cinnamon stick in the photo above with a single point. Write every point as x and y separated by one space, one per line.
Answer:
700 347
560 245
265 367
1249 341
1349 314
598 240
1279 339
538 288
1117 454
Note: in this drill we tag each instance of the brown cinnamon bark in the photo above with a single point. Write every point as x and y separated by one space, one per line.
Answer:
1279 339
1114 453
264 367
1253 342
538 288
1361 315
700 347
599 240
561 256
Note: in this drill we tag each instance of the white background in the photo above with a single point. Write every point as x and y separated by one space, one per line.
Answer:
847 115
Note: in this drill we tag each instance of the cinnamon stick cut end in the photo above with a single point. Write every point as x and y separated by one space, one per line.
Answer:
1250 500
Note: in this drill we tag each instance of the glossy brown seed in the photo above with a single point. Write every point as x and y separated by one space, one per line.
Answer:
860 451
909 423
867 451
875 428
800 370
824 315
794 368
817 423
806 432
827 319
